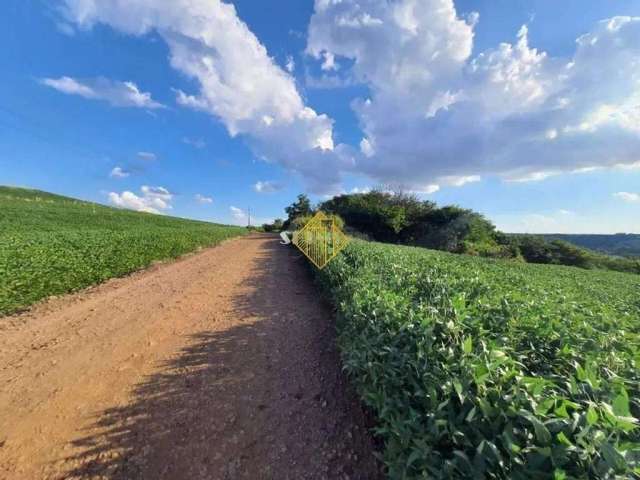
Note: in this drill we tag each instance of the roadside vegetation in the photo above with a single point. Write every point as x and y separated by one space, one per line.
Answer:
484 368
51 244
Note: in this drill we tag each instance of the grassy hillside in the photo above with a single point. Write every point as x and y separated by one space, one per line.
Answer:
51 244
622 244
480 368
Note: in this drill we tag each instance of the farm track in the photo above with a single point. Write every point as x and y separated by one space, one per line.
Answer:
220 365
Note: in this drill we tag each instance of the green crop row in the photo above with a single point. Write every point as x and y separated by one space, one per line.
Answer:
480 368
51 245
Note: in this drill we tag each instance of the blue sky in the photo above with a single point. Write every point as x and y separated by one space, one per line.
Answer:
201 109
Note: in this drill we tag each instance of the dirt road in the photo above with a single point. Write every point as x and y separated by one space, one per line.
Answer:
220 365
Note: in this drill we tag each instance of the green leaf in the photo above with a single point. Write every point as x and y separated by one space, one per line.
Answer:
625 423
467 345
542 432
463 461
621 404
592 415
470 415
497 354
562 438
415 455
544 407
613 458
559 474
458 388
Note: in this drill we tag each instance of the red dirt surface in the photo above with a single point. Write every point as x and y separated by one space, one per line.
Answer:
221 365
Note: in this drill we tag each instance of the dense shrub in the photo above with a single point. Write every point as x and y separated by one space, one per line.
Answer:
380 215
400 218
491 369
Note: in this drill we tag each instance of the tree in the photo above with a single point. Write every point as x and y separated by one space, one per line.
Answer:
456 229
379 214
565 253
404 218
535 249
276 226
301 207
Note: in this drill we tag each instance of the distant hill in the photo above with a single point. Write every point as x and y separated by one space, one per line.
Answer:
620 244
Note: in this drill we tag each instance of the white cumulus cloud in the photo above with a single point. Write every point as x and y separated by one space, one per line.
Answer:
431 188
291 64
198 143
238 82
436 112
237 213
119 172
203 199
357 190
118 94
152 200
148 156
268 186
241 217
458 181
628 197
329 62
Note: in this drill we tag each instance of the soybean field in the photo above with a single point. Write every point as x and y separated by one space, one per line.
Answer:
478 368
50 245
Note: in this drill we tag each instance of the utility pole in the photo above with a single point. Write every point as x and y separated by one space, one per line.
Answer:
248 217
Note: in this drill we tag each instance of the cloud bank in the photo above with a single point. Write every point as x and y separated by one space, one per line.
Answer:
434 111
435 115
152 200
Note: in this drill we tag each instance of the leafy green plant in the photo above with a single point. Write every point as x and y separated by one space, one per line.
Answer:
481 368
51 245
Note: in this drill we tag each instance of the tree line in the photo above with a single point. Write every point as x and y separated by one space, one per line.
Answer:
401 218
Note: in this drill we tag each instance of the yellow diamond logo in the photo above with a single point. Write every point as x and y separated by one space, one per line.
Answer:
320 239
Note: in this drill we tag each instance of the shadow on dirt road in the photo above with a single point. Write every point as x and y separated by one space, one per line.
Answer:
262 396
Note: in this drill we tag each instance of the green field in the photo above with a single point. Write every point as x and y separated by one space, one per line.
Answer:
51 244
480 368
